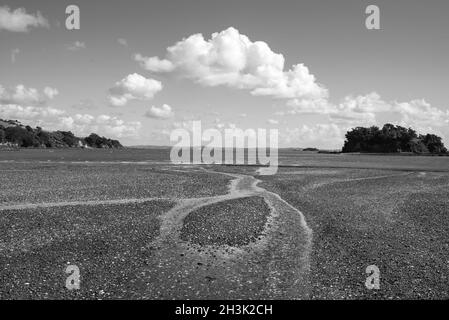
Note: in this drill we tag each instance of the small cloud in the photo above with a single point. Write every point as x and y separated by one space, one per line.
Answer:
14 53
272 121
50 92
19 20
154 63
133 87
164 112
77 45
84 104
122 42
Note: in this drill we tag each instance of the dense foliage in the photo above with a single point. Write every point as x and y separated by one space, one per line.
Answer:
96 141
391 138
15 134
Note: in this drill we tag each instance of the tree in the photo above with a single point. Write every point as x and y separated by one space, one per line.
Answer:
391 138
2 134
433 143
69 138
95 141
21 137
44 138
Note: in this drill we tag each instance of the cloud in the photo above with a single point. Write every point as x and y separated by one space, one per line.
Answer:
359 110
164 112
421 116
133 87
81 124
20 94
232 59
372 109
362 110
77 45
218 124
154 63
122 42
50 92
25 96
84 104
14 53
327 136
14 111
272 121
28 106
105 125
19 20
308 106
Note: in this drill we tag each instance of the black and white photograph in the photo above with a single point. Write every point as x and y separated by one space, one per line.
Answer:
224 150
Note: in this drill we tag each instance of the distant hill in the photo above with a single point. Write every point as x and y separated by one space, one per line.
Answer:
15 134
392 138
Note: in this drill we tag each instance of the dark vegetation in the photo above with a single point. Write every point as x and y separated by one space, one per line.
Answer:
392 138
13 133
310 149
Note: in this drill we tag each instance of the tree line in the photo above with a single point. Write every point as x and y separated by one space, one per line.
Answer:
391 138
14 133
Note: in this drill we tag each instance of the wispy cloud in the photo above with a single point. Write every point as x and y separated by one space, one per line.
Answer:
164 112
122 42
14 54
19 20
77 45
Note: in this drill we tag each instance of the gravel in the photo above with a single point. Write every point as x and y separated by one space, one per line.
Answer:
234 222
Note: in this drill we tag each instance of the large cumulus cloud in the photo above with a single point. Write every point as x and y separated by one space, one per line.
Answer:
230 58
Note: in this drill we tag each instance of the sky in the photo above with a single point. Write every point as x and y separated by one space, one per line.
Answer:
137 70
